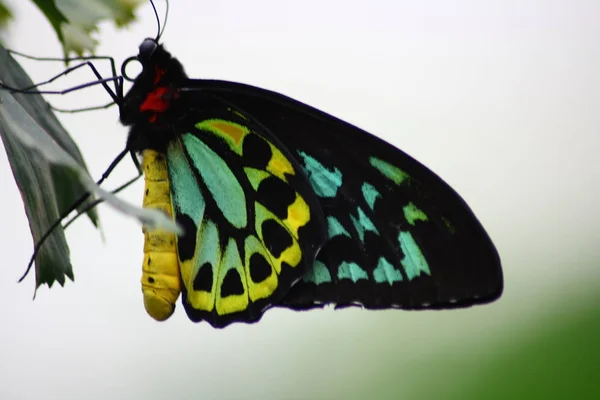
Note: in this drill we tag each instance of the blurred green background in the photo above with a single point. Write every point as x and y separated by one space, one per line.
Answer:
500 98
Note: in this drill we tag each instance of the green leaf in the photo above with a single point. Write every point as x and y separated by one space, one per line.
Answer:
83 19
50 172
75 21
86 14
36 178
5 14
35 106
53 14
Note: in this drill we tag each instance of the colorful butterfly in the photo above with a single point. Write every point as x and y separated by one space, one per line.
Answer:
284 205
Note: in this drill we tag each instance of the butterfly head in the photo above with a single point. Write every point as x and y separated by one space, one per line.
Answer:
151 103
147 49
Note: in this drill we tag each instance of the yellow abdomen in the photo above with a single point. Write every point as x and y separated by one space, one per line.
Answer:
160 278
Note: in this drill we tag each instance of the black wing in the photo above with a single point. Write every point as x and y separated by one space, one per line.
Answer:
398 235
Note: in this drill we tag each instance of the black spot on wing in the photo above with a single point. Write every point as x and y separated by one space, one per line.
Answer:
276 237
256 152
260 269
186 243
204 278
232 284
276 196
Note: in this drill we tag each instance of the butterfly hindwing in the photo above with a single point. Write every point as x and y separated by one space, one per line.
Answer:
252 222
397 234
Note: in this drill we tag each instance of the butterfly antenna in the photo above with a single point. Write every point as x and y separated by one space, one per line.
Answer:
157 20
165 20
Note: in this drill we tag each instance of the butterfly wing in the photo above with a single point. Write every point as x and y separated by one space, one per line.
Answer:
397 234
251 220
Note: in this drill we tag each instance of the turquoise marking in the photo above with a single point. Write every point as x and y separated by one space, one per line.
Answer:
370 194
220 181
351 271
385 272
413 262
209 251
186 195
318 274
363 224
335 228
391 172
324 182
412 214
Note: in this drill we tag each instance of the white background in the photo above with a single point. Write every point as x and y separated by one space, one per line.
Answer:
500 98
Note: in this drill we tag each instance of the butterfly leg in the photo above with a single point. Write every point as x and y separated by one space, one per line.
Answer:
117 80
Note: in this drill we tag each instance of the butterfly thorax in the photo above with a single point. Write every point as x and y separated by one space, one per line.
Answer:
151 107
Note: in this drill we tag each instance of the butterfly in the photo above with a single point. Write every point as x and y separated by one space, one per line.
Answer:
284 205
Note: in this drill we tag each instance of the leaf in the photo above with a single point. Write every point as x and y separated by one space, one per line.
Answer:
83 19
53 14
36 178
87 14
75 21
77 40
5 14
50 172
35 106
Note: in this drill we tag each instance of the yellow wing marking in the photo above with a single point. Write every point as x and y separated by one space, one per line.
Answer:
264 289
231 132
279 165
207 250
160 269
298 215
292 255
231 260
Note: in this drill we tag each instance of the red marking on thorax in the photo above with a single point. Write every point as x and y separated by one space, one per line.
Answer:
160 98
157 101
